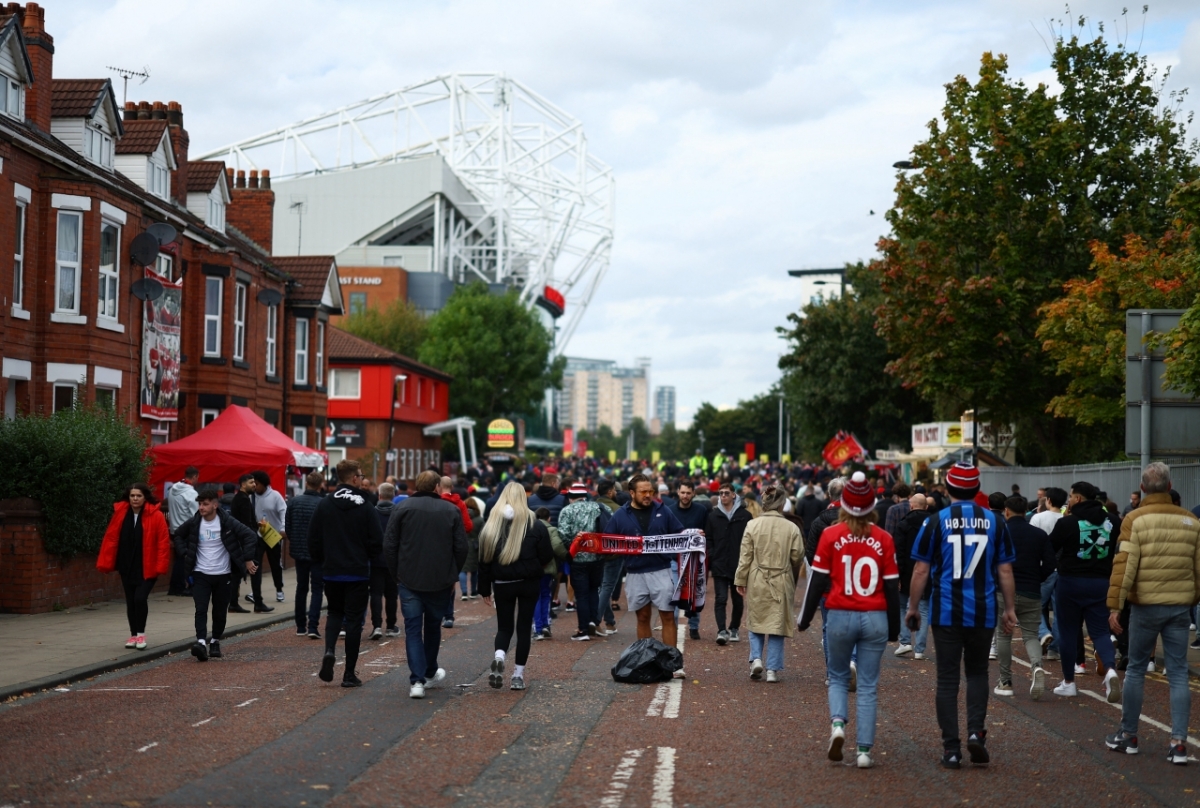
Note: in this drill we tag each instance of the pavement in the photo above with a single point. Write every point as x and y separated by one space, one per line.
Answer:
46 650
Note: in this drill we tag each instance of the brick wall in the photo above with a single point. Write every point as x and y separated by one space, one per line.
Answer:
31 580
252 206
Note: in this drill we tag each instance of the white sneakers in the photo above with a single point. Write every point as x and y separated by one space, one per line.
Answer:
1112 687
772 676
1150 667
436 678
992 654
918 655
837 737
417 691
865 761
1039 684
756 669
1080 669
1066 688
903 649
1003 689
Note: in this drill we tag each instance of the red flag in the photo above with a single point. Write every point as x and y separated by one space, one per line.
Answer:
841 448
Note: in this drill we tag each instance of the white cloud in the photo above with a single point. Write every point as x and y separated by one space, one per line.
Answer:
746 138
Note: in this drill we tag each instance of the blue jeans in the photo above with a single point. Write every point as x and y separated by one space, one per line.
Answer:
611 576
1048 588
774 649
867 632
1145 624
468 583
423 613
922 635
825 639
308 616
541 612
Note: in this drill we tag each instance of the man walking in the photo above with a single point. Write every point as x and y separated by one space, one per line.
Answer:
1157 571
723 530
1033 565
308 574
181 507
614 566
582 515
384 598
269 507
690 514
425 546
967 551
343 536
446 492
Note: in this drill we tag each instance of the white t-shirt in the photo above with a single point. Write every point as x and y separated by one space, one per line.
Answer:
1045 520
211 557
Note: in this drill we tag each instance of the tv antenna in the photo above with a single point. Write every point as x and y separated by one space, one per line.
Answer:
127 74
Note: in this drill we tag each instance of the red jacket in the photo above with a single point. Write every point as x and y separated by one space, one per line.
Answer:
454 499
156 541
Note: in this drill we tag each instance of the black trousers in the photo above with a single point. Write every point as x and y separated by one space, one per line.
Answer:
383 596
961 649
137 602
520 597
347 606
216 588
725 589
273 557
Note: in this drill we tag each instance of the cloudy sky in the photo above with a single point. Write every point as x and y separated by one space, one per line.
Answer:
746 138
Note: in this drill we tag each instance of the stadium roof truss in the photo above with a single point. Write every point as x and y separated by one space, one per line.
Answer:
545 213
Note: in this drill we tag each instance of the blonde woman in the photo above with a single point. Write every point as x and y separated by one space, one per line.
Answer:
514 547
772 552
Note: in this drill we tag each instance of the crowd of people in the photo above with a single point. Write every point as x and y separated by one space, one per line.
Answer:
889 563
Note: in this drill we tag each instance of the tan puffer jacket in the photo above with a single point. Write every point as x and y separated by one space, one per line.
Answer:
1158 559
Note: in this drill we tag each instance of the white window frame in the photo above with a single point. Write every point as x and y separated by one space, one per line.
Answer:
240 294
160 434
111 390
300 435
320 354
110 278
300 368
272 337
158 178
213 319
343 375
19 258
216 213
60 264
164 265
97 145
207 417
74 388
12 97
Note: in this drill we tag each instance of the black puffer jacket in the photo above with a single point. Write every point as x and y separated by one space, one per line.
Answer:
536 553
344 533
426 544
906 534
296 522
549 498
724 535
238 539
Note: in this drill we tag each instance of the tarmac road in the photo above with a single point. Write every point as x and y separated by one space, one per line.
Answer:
258 728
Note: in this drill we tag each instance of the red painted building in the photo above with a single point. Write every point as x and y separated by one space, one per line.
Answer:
380 401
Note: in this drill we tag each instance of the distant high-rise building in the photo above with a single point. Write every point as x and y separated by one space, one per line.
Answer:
595 393
664 405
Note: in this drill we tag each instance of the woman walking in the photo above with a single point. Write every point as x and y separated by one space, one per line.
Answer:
859 559
514 547
137 545
772 552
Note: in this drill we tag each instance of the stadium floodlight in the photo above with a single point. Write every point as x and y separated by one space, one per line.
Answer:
546 203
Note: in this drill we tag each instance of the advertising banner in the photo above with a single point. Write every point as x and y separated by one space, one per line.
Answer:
339 432
160 352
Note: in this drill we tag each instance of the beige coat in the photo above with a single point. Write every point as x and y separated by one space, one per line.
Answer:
772 551
1158 563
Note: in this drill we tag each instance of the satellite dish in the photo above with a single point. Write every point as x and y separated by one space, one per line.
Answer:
143 249
146 289
269 297
163 232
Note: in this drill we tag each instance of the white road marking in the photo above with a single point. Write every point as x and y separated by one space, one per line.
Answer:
620 780
246 703
123 689
663 795
656 704
1143 717
668 695
205 721
150 745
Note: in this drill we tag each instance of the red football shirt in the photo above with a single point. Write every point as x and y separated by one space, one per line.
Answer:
857 566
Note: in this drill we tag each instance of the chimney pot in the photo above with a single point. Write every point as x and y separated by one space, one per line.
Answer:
159 111
174 113
143 111
130 113
241 179
264 179
229 177
253 178
34 20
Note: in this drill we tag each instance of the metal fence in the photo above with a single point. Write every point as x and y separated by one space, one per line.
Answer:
1117 479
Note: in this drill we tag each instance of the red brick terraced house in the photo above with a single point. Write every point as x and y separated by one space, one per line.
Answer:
231 325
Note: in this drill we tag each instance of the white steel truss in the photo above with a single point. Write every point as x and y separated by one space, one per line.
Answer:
545 203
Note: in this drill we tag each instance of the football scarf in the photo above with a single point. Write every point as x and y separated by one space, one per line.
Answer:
689 546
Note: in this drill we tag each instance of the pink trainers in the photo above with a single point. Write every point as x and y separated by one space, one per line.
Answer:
141 642
131 642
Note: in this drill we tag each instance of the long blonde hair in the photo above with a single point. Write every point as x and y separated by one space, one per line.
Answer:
509 521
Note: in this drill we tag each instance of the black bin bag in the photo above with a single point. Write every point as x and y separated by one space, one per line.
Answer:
647 661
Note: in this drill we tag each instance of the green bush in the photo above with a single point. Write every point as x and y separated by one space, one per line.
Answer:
76 462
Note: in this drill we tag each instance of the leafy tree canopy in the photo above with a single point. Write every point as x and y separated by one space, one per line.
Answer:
400 327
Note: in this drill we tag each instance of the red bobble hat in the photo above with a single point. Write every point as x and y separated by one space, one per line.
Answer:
857 497
963 477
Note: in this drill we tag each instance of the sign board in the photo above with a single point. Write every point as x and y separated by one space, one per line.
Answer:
1167 420
160 352
886 454
612 455
501 434
933 438
345 433
390 456
568 441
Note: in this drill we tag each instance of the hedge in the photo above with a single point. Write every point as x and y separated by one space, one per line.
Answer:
76 463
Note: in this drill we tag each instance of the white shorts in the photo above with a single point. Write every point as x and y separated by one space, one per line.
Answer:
655 587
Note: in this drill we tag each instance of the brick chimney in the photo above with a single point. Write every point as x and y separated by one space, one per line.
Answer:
253 206
173 112
41 55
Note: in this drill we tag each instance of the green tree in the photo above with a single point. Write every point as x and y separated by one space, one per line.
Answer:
401 327
671 444
835 372
1013 186
497 351
755 420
